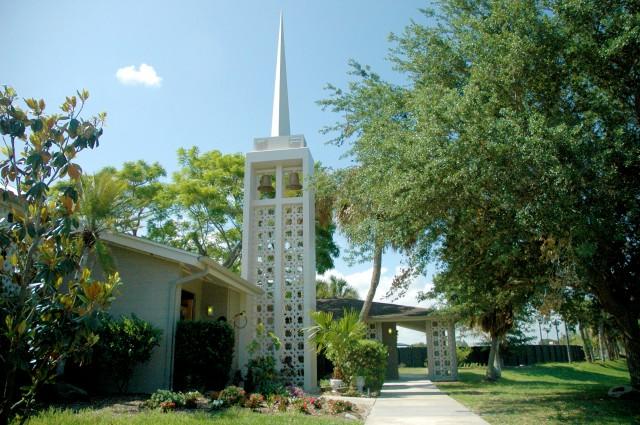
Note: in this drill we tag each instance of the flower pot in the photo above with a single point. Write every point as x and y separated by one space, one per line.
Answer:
335 384
360 383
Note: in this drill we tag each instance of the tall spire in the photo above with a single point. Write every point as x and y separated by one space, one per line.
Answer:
280 116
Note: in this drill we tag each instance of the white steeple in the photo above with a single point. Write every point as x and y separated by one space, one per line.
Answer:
280 116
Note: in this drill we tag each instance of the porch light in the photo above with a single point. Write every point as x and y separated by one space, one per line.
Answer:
209 310
265 184
390 330
294 182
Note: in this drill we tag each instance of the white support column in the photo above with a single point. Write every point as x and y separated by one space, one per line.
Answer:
452 350
309 241
430 349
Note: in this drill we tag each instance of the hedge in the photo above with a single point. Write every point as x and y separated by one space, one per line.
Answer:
203 355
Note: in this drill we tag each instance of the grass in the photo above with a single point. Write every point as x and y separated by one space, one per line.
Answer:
232 416
551 393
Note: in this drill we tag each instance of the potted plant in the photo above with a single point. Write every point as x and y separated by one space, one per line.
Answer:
337 340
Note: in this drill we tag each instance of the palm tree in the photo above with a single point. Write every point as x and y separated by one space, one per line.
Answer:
337 338
100 204
335 287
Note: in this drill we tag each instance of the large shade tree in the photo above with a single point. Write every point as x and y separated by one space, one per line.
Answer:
372 119
520 117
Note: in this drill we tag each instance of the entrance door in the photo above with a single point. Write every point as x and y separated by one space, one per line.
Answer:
187 305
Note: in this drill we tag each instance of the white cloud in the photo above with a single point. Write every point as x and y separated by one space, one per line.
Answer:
145 75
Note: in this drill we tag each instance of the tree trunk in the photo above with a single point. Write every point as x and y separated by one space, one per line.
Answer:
493 365
540 329
375 280
603 355
586 343
566 331
632 349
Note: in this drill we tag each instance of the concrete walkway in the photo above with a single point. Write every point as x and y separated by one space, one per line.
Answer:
418 402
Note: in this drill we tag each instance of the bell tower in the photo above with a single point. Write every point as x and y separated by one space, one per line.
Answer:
278 240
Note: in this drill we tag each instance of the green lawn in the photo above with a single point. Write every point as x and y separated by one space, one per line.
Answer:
229 417
551 393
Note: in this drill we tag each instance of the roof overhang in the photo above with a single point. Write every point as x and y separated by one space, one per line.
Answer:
183 258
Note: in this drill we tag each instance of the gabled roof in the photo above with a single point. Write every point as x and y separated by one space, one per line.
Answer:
182 257
379 311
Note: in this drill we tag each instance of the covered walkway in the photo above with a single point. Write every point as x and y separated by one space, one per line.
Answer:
418 402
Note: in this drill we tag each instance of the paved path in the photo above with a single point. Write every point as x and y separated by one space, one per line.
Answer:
418 402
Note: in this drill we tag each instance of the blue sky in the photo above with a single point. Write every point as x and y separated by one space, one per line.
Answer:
215 61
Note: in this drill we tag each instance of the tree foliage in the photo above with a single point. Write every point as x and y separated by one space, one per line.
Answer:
141 195
124 344
512 154
48 301
337 339
335 287
203 206
199 210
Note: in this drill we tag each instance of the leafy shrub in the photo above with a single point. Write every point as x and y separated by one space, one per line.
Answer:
254 401
123 344
368 358
337 339
462 353
301 405
191 399
161 397
278 401
339 406
232 396
262 376
167 400
203 354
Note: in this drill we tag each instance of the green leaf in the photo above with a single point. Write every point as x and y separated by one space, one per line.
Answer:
73 127
37 125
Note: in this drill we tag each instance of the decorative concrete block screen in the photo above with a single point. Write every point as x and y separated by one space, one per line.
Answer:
282 282
441 350
279 258
265 230
293 290
374 331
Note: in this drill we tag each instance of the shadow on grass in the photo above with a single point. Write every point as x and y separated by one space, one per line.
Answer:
551 393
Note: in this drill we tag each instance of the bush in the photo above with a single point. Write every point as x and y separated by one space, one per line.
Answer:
301 405
262 376
191 399
339 406
123 344
167 400
278 401
368 358
232 396
203 355
462 353
165 397
254 401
